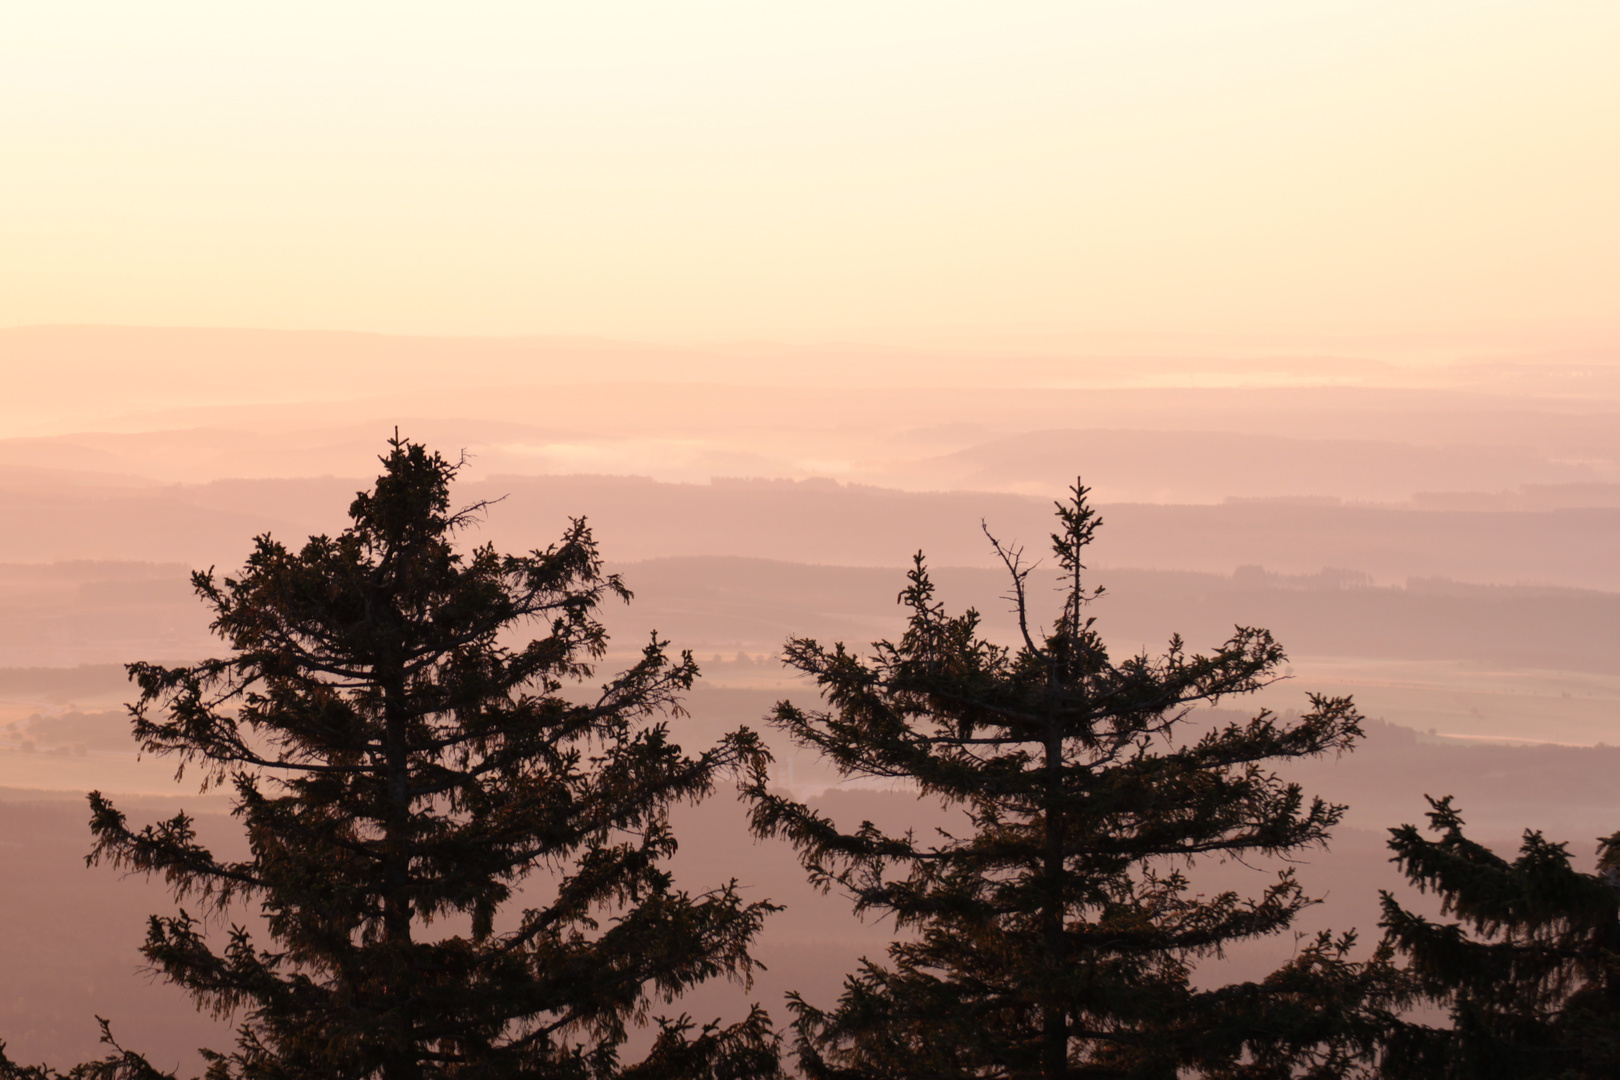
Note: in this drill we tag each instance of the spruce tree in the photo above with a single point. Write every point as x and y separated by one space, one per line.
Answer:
1529 972
1056 932
402 764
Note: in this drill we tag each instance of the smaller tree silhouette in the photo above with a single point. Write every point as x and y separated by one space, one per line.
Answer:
1530 972
401 767
1056 936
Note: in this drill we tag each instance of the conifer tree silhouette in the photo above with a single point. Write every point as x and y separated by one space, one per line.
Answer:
401 767
1530 971
1056 935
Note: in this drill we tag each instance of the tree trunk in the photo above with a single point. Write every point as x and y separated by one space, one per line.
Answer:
1054 1016
401 1062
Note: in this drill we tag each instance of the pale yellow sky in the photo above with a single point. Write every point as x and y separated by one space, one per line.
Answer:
689 171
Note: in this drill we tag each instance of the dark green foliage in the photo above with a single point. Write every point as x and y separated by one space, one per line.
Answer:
1530 971
1057 935
401 767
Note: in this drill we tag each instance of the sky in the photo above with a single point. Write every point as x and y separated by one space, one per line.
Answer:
1312 292
712 171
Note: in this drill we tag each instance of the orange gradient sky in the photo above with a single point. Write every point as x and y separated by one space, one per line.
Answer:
699 171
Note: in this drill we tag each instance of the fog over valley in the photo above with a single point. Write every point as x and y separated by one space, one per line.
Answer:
838 541
1439 539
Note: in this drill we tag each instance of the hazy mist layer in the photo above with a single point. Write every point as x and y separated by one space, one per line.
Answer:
1439 537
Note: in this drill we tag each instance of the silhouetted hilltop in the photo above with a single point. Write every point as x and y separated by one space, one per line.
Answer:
1184 466
98 612
822 521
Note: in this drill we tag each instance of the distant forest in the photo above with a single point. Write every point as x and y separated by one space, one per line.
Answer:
455 849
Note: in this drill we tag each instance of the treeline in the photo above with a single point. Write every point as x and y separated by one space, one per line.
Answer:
401 766
843 524
83 679
71 732
1328 613
751 604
